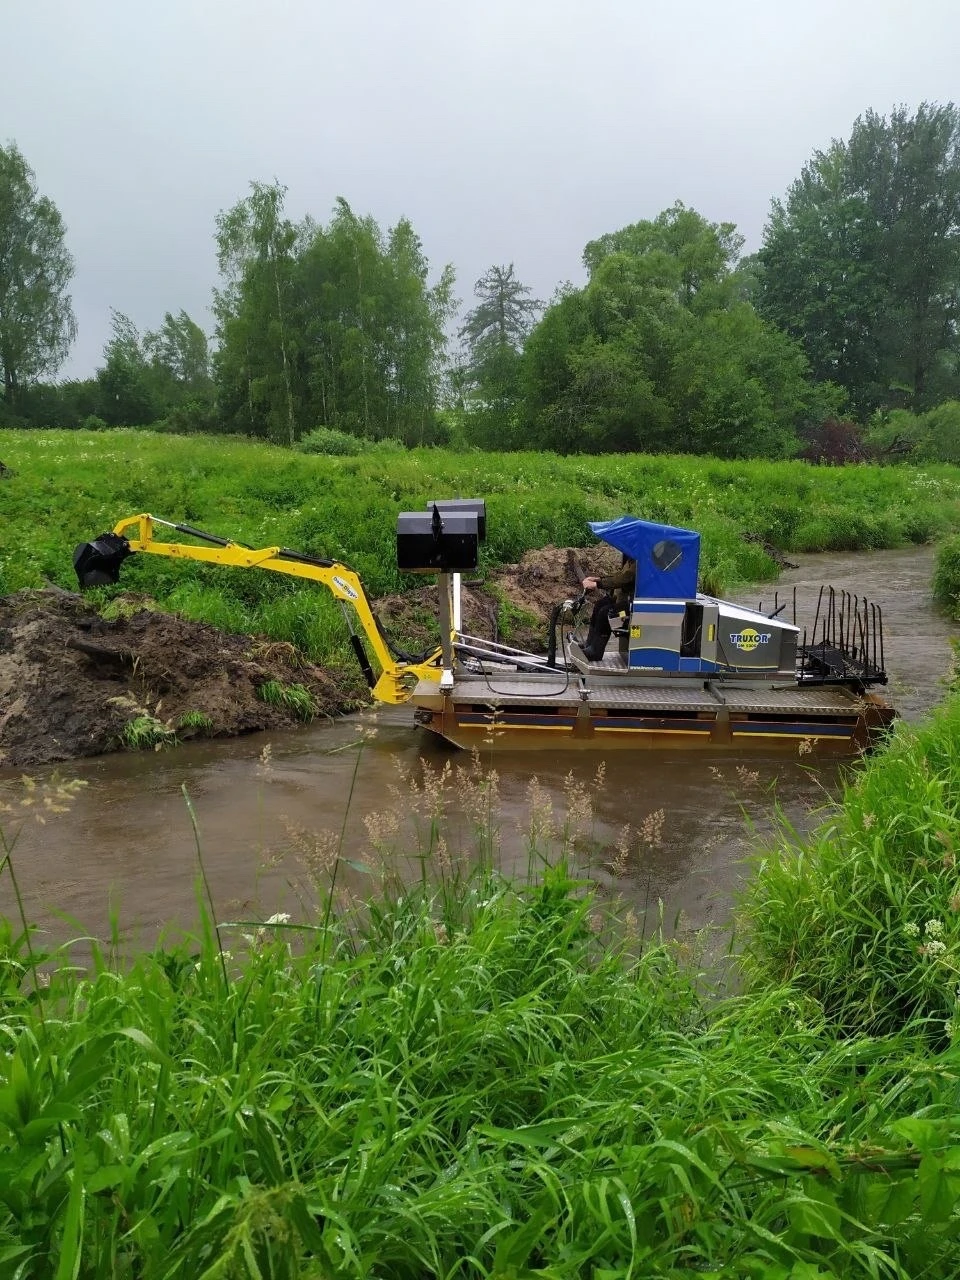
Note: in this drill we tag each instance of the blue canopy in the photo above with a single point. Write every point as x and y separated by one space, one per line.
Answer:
667 558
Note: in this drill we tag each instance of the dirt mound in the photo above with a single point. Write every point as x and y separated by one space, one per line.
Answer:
72 682
513 605
543 578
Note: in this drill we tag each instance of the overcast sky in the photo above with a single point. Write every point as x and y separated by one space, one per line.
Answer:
506 130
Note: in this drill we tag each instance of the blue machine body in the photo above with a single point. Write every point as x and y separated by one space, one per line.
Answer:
672 628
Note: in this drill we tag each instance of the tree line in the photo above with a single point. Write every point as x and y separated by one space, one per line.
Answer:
848 313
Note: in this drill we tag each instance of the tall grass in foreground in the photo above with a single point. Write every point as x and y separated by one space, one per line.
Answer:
863 915
471 1076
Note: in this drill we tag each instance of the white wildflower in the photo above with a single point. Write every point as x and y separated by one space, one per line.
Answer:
935 948
933 928
911 930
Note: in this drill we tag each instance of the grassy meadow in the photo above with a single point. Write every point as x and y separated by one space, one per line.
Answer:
68 486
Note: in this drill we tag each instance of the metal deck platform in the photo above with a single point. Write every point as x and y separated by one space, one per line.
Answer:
613 662
567 710
568 691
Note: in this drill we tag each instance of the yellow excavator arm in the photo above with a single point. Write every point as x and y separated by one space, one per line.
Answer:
98 562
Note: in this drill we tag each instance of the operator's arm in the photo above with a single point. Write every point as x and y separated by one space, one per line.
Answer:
617 581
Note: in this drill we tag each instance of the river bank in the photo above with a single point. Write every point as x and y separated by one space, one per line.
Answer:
80 680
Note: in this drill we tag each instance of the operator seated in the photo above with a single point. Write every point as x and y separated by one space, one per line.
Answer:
612 610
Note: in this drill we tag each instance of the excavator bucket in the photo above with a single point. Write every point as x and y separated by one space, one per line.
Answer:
98 563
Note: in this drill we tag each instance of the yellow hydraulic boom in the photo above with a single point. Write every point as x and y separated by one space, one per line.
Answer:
99 562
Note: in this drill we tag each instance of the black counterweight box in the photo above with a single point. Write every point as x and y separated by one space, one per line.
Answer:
464 506
437 542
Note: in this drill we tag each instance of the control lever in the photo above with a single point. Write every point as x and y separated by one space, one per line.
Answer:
571 608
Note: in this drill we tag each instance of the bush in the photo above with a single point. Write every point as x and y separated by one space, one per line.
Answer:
946 576
933 436
193 417
9 417
93 423
813 534
338 444
941 433
863 916
892 435
388 445
835 443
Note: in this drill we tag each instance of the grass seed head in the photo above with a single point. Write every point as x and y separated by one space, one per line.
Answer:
315 850
382 826
541 826
651 829
618 867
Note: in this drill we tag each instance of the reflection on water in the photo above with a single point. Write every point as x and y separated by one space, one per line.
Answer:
693 817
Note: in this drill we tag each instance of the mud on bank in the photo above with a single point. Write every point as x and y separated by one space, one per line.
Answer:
72 681
512 605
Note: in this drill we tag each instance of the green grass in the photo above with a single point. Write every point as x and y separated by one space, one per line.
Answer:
512 618
70 486
469 1076
146 731
946 577
863 916
294 697
198 721
475 1087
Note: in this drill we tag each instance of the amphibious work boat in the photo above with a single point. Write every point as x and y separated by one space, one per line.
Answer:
684 669
680 669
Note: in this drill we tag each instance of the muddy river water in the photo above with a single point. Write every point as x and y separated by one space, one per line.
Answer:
127 846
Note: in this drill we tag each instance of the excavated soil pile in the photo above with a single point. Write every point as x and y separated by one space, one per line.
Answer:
512 606
70 681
